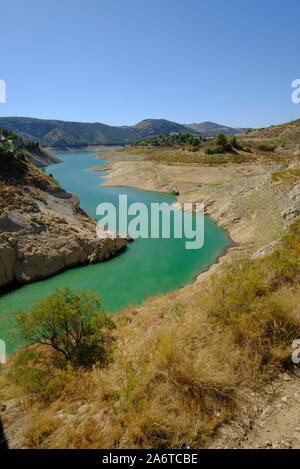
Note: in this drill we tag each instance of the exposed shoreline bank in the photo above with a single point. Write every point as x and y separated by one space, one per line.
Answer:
82 148
238 198
109 168
226 253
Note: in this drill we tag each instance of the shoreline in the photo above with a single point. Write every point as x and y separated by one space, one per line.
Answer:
82 148
115 174
221 257
232 244
238 198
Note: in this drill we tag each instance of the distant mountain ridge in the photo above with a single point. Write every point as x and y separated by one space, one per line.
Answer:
153 127
210 129
57 133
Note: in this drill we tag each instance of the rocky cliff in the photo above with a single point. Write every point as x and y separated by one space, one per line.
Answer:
41 158
43 230
31 150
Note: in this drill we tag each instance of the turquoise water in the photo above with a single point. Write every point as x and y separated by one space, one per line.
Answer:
147 267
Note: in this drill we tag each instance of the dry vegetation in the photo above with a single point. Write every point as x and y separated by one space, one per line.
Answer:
178 363
185 362
265 145
249 151
286 178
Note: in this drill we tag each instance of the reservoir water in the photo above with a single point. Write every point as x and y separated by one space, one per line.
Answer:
147 267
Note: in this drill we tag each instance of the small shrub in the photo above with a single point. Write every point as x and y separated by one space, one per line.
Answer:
265 147
39 429
221 140
217 149
31 372
284 175
233 141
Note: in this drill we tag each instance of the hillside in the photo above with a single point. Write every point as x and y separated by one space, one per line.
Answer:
55 133
35 154
43 230
210 129
234 385
60 133
284 134
153 127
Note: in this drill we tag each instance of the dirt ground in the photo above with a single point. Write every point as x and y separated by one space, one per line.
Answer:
270 420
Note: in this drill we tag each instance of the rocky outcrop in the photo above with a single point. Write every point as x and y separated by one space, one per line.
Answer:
42 158
43 230
293 211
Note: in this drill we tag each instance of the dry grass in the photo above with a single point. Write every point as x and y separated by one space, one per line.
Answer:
179 362
40 429
286 179
249 151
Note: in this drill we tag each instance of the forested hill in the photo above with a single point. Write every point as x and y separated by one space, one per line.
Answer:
211 129
55 133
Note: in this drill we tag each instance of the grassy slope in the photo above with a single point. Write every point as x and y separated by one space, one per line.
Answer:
180 359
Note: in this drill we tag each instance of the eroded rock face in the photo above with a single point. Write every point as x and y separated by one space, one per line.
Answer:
44 231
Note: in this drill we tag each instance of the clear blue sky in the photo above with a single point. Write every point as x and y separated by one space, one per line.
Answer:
120 61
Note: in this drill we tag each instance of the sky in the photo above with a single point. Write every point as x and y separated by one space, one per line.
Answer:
120 61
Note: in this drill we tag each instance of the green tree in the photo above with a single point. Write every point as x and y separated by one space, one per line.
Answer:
233 141
221 140
70 325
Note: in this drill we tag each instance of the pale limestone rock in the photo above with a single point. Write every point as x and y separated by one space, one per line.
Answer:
46 232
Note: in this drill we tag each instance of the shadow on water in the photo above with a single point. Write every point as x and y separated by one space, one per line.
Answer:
3 442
